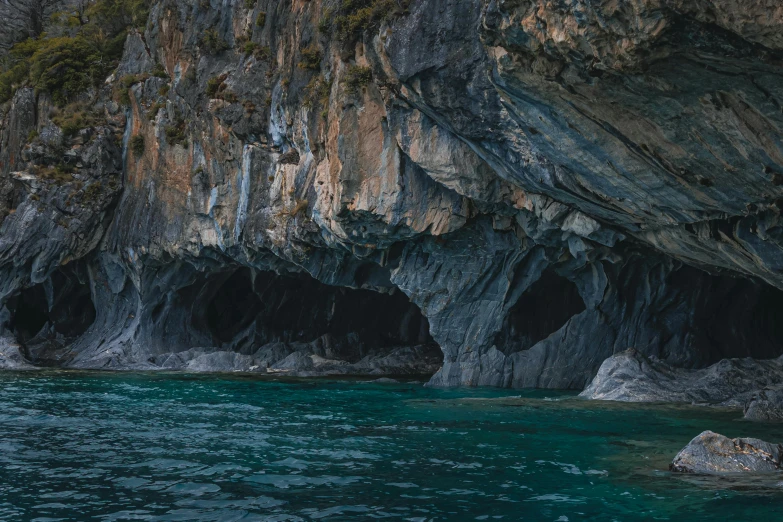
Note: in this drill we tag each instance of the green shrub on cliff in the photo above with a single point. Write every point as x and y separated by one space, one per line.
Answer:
92 192
357 77
212 43
122 90
14 76
58 174
75 57
260 52
354 17
214 84
261 19
175 135
250 47
160 72
137 145
65 67
176 131
311 57
155 109
317 93
115 17
217 89
75 117
263 52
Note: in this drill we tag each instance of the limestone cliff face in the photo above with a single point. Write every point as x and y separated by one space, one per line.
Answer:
546 183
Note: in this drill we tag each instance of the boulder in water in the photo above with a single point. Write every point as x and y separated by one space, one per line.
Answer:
765 406
711 453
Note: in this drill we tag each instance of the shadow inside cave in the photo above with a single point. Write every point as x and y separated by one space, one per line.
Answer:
49 315
246 318
247 309
541 311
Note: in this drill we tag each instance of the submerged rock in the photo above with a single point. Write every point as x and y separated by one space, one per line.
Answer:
631 376
765 406
712 453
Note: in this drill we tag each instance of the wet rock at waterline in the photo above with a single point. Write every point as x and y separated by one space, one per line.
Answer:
11 357
631 376
765 405
302 360
712 453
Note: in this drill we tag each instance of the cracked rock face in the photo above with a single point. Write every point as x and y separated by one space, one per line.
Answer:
530 186
711 453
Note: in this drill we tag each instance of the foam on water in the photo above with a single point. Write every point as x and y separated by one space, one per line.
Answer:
91 446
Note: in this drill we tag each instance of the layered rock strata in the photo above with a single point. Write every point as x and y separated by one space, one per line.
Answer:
537 186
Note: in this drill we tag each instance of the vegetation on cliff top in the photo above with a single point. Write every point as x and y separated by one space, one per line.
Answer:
81 46
353 17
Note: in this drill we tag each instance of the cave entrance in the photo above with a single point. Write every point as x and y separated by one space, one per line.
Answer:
730 317
63 303
252 308
73 311
234 306
29 313
541 311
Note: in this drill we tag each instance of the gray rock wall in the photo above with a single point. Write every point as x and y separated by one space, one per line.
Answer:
621 159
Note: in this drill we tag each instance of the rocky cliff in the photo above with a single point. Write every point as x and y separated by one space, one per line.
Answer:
532 185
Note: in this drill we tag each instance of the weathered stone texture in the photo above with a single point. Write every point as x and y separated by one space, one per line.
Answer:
625 156
711 453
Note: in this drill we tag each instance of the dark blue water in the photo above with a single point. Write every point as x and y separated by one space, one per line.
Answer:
80 446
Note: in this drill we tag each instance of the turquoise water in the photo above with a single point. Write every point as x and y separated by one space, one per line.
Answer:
87 446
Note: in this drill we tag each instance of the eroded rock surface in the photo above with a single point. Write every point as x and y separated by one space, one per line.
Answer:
712 453
633 377
543 184
11 357
302 360
765 405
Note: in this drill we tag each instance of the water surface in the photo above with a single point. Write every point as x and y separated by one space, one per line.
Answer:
94 446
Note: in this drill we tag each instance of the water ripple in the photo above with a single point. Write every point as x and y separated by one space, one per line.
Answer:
119 447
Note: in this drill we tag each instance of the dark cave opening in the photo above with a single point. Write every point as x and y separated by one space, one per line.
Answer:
29 313
234 306
73 311
248 309
541 311
732 317
64 303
